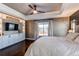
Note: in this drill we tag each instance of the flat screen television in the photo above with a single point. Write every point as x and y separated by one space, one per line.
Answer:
11 27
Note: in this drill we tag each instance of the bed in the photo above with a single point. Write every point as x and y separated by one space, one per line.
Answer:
55 46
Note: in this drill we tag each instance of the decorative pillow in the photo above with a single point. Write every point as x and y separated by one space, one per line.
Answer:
71 36
77 40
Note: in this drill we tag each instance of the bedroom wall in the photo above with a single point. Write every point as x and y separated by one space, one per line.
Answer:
11 19
29 28
61 26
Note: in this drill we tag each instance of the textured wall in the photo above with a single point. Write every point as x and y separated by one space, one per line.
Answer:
11 20
30 29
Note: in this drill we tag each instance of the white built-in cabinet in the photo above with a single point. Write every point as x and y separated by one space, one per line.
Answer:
8 40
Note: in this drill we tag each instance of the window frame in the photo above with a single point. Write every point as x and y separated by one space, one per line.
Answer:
43 23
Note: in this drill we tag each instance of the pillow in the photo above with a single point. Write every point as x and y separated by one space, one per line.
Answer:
77 40
71 36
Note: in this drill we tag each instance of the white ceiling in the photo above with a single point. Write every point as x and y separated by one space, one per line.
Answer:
45 7
67 9
53 10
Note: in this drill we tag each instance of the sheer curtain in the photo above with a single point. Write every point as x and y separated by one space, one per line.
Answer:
50 29
35 30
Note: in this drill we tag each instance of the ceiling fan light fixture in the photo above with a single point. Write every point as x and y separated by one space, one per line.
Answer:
35 12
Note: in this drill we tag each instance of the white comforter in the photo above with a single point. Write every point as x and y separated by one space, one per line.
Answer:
53 46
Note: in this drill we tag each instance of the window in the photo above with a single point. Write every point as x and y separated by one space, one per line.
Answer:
43 29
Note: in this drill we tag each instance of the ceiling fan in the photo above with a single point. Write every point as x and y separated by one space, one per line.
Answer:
34 8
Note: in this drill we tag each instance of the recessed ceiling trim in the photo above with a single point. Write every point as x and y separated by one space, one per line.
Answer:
10 11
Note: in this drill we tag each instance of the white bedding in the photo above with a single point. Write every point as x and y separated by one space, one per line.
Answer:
53 46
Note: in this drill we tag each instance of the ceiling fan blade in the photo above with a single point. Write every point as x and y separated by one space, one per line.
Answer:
35 7
30 6
41 11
